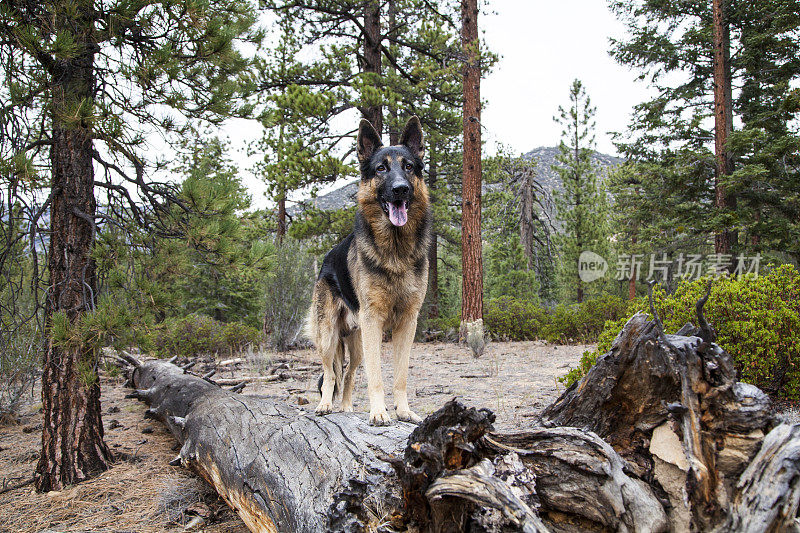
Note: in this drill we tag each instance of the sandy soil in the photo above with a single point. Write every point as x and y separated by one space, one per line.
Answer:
142 493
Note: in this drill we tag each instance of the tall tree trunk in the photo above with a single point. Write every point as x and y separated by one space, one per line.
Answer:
282 190
372 58
433 250
281 217
578 203
724 238
526 234
634 274
394 132
72 432
471 253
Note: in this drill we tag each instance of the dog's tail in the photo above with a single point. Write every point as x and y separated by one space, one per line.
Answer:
309 328
338 371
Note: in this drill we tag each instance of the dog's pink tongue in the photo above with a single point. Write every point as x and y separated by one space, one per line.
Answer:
397 214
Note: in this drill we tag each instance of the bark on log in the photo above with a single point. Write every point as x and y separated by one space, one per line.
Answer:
768 493
283 469
654 438
280 468
578 474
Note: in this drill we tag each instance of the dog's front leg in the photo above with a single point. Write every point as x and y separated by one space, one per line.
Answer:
402 339
371 332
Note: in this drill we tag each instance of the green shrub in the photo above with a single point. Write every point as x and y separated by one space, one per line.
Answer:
442 323
757 320
514 319
288 293
237 336
195 335
509 318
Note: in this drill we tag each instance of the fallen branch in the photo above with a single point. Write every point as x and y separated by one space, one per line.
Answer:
15 486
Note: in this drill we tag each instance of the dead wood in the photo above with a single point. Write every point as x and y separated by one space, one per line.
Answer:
579 474
671 405
768 493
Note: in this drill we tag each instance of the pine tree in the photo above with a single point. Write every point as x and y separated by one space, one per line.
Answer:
224 264
581 205
296 124
86 82
673 46
305 93
767 146
517 227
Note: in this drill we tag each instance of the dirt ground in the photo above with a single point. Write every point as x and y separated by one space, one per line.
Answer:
142 493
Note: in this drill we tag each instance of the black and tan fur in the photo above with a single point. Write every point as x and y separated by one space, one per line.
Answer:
375 279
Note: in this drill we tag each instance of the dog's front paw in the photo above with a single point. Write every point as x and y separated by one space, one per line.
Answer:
408 415
379 417
324 408
347 407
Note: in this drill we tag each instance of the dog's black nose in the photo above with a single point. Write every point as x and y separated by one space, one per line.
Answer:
400 190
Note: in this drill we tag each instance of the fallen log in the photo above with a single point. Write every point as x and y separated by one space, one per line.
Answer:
654 438
283 469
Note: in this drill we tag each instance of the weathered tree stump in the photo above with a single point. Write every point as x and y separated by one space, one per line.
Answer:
671 405
658 436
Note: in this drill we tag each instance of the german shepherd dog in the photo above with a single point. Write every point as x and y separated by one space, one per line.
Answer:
375 279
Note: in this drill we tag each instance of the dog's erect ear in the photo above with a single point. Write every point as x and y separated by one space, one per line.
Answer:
412 137
368 141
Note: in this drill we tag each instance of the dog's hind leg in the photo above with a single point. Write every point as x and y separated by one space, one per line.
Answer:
402 339
338 367
328 343
354 348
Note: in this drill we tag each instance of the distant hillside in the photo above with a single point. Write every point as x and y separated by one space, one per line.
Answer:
545 156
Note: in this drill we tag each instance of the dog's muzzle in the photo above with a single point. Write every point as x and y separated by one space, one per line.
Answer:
396 205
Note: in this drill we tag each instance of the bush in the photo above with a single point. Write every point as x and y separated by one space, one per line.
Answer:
288 293
509 318
19 364
757 320
439 328
195 335
583 322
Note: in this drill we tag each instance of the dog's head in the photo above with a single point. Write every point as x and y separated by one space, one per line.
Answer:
390 175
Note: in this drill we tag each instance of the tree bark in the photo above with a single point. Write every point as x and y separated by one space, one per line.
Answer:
394 131
769 490
433 249
372 59
725 238
471 252
654 438
72 431
281 217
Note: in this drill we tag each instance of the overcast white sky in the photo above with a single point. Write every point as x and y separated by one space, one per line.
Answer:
543 46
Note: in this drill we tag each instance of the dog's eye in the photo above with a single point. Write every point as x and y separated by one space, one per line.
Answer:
409 166
381 168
